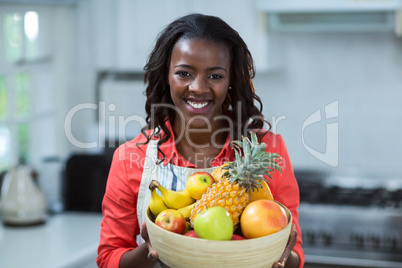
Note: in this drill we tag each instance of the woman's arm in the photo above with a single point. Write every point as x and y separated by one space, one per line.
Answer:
120 225
285 190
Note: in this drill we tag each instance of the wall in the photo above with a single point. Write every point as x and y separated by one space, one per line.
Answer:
363 73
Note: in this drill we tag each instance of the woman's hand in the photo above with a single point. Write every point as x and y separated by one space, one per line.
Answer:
288 250
152 254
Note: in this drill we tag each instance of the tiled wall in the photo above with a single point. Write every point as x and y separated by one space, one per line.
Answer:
363 74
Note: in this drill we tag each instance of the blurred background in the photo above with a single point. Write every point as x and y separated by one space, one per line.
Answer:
329 74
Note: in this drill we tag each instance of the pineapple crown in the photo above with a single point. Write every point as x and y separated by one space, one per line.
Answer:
252 161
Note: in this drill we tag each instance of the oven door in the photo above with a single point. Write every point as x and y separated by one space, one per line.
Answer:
328 261
345 236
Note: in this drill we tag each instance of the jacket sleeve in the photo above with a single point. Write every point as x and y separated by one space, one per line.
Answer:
119 226
285 188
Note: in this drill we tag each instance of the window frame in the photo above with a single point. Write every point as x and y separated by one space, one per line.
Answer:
41 64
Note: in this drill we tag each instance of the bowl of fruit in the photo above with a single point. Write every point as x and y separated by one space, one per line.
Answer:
224 219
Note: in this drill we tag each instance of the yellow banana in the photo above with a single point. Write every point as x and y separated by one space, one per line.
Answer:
186 211
173 199
156 204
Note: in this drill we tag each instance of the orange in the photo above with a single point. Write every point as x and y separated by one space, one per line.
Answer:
261 193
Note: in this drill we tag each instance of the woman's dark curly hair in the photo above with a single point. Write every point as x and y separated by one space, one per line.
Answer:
241 96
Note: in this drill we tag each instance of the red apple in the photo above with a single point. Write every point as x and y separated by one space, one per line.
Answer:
198 183
171 220
191 233
237 237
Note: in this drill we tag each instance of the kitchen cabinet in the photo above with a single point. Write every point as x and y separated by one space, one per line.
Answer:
125 31
244 17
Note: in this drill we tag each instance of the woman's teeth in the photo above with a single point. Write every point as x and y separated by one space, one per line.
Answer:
197 105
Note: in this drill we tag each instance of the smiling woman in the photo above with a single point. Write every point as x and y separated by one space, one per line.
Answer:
200 97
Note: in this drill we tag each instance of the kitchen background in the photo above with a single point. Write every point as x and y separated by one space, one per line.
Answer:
329 74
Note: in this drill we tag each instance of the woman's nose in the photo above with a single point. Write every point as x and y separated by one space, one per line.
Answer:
199 86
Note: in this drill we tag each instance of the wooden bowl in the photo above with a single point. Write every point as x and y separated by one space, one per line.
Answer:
179 251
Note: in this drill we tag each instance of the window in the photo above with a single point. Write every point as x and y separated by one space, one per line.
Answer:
20 52
15 111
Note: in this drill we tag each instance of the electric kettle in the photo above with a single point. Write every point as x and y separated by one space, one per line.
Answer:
22 202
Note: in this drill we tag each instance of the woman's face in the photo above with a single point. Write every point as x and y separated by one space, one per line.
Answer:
199 76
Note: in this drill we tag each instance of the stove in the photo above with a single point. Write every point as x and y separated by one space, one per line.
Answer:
350 221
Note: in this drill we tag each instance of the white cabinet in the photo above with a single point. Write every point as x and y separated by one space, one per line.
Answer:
124 31
244 17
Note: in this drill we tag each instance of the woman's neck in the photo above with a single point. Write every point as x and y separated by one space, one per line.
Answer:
213 135
200 146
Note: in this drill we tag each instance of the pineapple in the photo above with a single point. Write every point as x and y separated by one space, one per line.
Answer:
218 172
239 178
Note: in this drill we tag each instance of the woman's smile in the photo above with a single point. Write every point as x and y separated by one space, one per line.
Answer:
198 106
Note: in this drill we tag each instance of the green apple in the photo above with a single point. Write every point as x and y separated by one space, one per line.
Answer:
198 183
214 224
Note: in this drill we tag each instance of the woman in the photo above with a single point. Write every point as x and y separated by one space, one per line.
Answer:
200 97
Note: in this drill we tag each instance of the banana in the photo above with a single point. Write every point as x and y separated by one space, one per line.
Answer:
156 204
173 199
186 211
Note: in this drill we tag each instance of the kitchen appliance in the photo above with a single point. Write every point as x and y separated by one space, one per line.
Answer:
84 181
22 202
350 220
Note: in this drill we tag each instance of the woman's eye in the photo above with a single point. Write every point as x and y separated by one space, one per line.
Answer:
183 74
216 76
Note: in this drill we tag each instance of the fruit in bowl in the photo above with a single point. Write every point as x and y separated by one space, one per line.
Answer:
214 224
237 237
198 183
171 220
240 178
180 251
261 193
261 218
190 233
234 182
